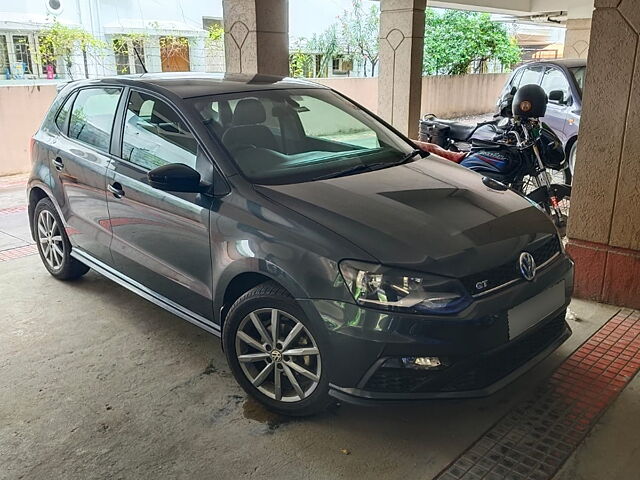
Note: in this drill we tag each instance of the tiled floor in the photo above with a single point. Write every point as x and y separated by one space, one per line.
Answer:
538 436
15 238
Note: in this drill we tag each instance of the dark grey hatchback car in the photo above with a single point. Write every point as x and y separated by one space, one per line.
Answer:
332 257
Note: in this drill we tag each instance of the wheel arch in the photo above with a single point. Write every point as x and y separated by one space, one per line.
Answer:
36 193
240 277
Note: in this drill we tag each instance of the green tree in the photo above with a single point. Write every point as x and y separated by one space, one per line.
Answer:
359 31
454 39
326 46
61 41
300 62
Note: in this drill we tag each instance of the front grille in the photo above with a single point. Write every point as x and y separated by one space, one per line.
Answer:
469 374
510 271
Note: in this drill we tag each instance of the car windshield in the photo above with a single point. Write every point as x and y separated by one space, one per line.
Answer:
299 135
578 74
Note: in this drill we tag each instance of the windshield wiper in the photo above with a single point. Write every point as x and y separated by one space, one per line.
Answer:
410 155
370 167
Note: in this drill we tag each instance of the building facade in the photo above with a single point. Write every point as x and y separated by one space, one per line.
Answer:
159 35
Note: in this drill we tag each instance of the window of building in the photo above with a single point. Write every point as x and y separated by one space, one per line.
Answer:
22 52
121 52
48 56
137 50
4 55
154 135
92 116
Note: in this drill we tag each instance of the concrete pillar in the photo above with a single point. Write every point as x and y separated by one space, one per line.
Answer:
604 225
576 40
256 36
401 51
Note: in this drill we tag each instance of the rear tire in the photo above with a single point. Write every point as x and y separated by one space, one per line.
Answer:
53 243
281 367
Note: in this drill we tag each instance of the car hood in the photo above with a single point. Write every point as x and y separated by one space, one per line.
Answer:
430 215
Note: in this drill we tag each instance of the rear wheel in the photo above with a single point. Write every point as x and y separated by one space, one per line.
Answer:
53 243
275 352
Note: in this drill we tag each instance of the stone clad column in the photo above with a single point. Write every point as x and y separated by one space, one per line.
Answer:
576 40
401 51
604 223
256 36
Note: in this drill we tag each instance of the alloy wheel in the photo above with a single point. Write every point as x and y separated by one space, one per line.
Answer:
50 239
278 355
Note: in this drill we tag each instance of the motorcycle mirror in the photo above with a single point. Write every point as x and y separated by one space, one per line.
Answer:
494 184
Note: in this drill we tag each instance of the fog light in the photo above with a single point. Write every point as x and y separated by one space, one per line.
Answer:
422 363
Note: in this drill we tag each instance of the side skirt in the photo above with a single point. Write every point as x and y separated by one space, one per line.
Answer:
145 292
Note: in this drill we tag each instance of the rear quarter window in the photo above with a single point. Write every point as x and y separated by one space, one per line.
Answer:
62 119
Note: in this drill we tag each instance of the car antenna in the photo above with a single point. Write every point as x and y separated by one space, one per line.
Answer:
144 68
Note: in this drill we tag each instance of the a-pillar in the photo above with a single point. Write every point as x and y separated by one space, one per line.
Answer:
401 51
256 36
604 224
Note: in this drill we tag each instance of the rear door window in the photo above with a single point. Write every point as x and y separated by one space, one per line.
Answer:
92 116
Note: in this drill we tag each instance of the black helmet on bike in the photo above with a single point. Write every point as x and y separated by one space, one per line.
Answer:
530 101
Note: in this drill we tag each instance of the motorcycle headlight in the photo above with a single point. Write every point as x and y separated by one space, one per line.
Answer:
377 286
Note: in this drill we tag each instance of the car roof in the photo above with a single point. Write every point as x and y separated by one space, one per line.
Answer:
195 84
564 62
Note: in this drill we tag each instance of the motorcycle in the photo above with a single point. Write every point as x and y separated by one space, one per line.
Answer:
515 149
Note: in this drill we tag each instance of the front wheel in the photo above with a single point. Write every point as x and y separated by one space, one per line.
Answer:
276 353
572 160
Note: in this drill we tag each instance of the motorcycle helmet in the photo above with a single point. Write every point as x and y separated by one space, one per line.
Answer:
530 101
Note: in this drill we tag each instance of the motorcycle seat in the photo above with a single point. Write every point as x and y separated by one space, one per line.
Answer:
457 131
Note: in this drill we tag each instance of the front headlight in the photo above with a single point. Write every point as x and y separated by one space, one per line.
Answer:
377 286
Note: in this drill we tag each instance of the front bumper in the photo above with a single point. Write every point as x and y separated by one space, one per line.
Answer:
480 357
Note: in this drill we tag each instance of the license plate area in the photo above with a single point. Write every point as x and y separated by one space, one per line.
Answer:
531 312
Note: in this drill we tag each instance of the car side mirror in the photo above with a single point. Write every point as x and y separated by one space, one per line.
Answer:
556 96
175 177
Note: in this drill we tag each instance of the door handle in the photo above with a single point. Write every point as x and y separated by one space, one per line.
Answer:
116 189
57 163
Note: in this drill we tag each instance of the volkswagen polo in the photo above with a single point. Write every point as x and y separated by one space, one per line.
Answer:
333 258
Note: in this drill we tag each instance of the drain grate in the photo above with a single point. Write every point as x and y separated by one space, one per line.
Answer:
537 437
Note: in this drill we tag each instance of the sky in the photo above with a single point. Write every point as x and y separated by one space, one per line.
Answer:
307 17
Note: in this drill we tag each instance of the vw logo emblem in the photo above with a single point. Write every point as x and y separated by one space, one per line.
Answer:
527 266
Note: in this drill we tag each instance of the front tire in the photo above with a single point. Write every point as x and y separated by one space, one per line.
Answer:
275 352
572 160
53 243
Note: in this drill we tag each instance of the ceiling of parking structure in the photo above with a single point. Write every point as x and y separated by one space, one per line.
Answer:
521 8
